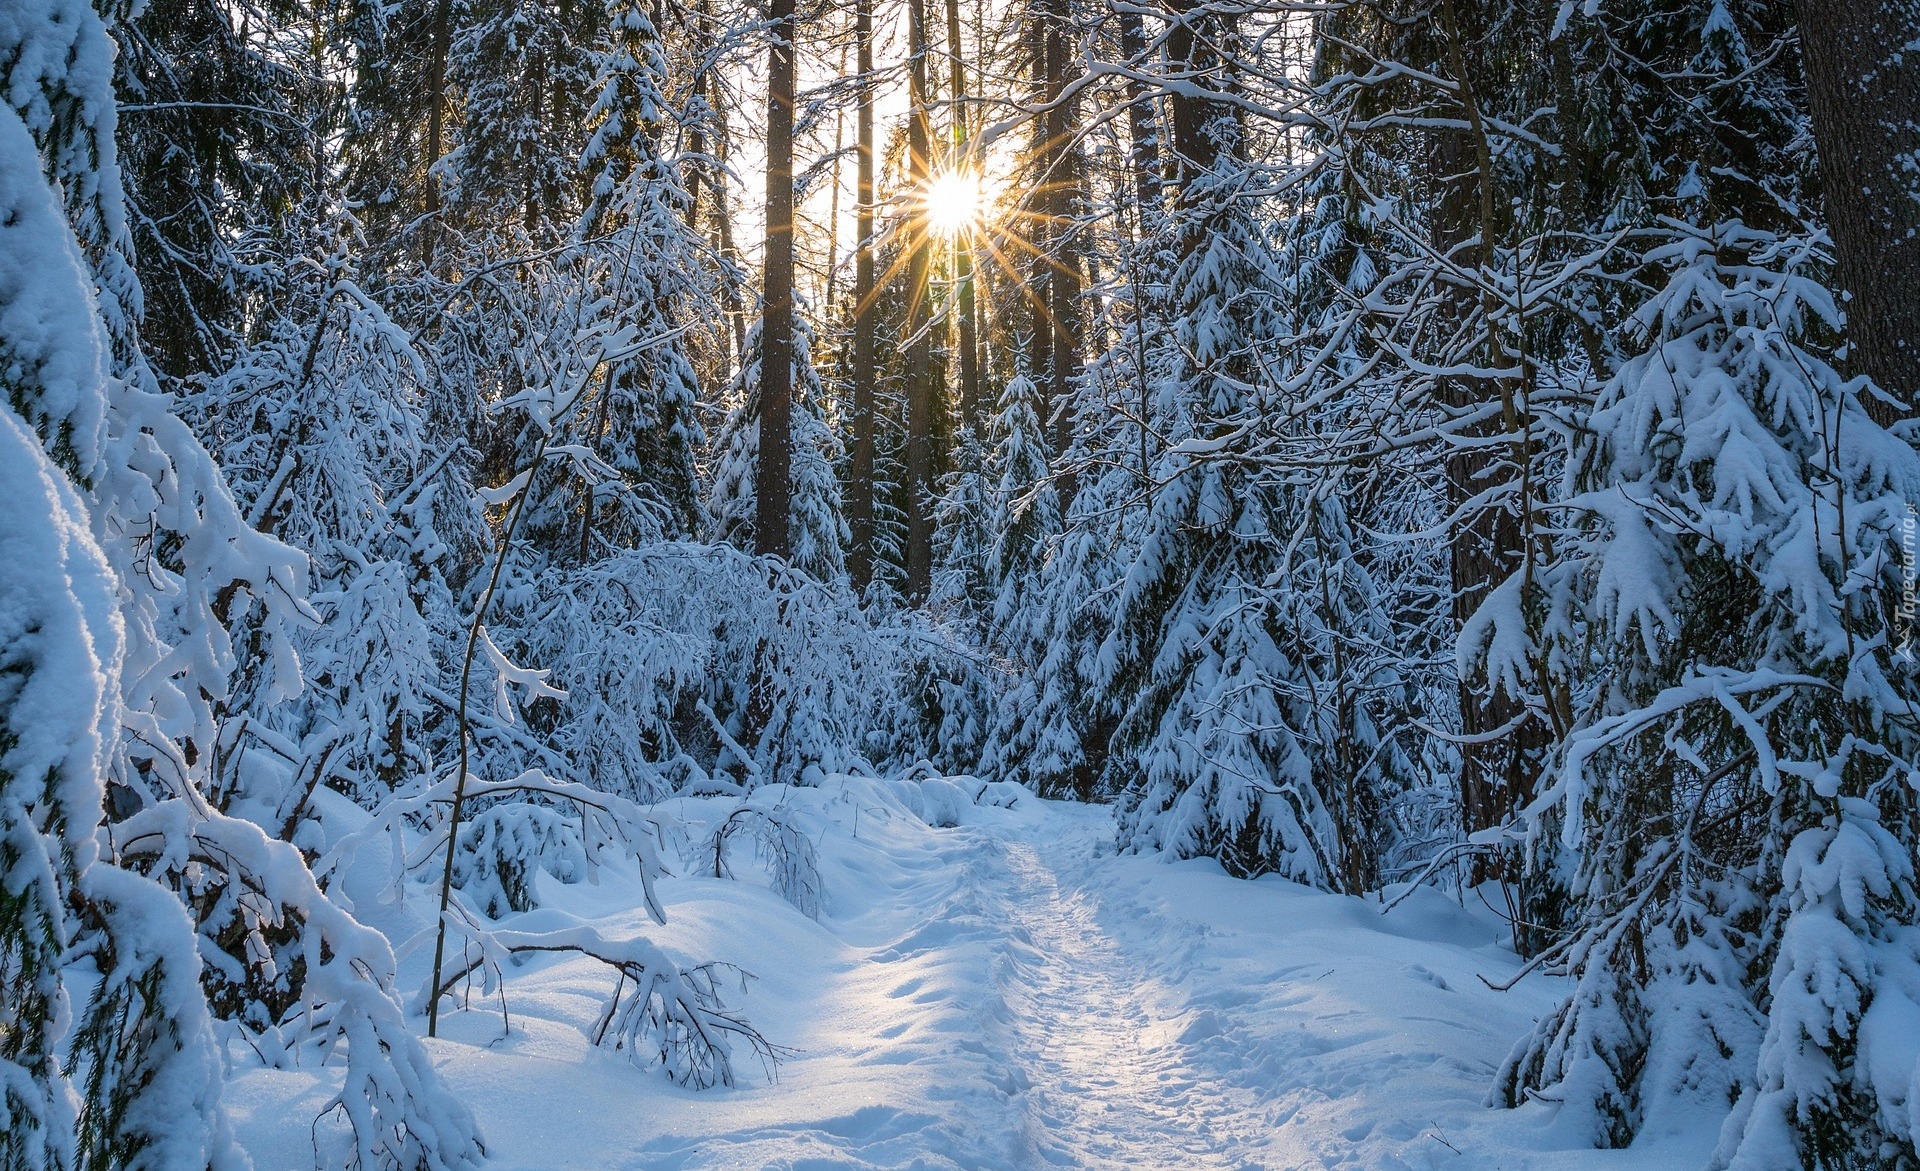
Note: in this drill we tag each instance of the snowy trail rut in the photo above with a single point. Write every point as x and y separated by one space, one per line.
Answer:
1006 994
1100 1042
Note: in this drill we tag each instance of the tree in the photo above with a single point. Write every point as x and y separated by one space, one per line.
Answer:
1863 92
1735 740
923 393
219 139
861 372
644 425
322 426
138 1082
817 533
966 328
188 573
396 131
525 72
772 534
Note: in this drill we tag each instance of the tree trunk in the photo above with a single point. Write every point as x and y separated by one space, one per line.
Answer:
1863 89
1503 745
1063 211
730 288
772 485
833 209
1195 149
1144 149
860 471
919 341
1038 228
971 406
436 114
697 146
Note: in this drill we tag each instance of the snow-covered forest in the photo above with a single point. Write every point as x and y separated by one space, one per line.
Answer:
921 583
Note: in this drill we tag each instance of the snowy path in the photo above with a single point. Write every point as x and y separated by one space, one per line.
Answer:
1109 1083
1004 994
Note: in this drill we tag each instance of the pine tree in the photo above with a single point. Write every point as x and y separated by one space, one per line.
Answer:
644 425
1742 563
137 1083
395 128
1023 507
525 72
1212 706
220 138
819 533
188 571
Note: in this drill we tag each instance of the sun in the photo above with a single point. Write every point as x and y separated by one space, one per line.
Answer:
955 203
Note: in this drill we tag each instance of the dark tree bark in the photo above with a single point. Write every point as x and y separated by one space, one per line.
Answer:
1037 228
971 406
860 470
1504 744
1144 149
1063 208
1063 203
697 147
730 289
1863 89
919 341
1196 150
436 116
704 174
696 170
772 486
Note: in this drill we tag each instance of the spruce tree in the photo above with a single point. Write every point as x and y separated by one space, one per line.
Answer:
818 531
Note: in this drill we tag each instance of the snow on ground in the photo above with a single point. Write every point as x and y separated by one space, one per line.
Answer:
1008 994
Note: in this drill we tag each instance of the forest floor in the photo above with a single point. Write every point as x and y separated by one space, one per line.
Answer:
1007 993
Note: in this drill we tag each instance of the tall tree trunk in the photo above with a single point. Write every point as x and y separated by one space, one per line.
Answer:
972 407
436 115
1143 150
697 139
1863 88
860 471
1063 211
920 388
772 486
1143 156
730 300
1503 745
833 210
1038 228
1195 149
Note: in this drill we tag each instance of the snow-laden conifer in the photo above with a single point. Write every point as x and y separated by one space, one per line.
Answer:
819 531
1736 539
126 1074
659 272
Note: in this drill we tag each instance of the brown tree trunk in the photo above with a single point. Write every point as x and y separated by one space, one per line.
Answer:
1503 746
697 147
971 407
1063 211
919 341
1863 89
772 485
436 115
1143 151
860 471
1038 228
730 299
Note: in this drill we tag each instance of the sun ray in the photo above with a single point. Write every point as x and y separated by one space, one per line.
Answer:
954 203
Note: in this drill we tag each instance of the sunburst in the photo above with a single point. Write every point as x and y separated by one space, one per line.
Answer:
954 203
959 206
